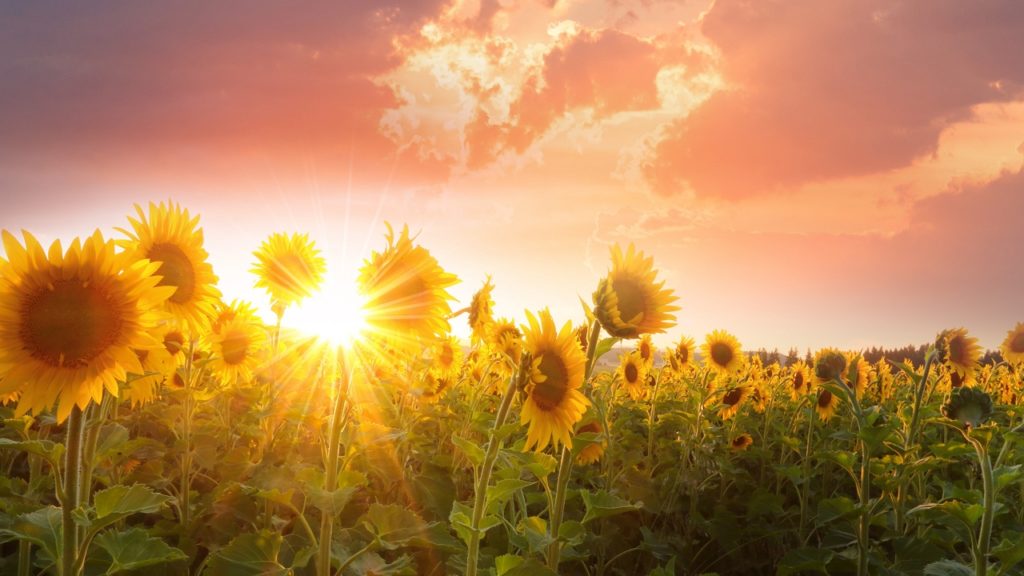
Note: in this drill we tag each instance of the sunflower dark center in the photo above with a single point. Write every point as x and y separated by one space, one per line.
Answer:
175 270
1017 344
234 348
957 350
173 342
824 399
683 354
732 397
721 354
798 381
632 374
548 395
645 350
739 441
70 323
955 379
631 299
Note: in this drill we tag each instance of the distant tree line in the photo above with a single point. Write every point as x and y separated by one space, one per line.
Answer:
908 353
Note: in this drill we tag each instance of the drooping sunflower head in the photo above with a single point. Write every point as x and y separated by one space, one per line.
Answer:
800 381
829 365
171 238
507 339
629 301
406 290
289 267
554 403
970 406
235 349
826 404
646 350
857 371
722 352
1013 345
592 452
741 442
70 322
633 372
481 315
962 352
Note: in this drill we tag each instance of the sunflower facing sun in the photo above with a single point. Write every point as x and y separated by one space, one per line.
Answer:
289 268
722 352
169 236
71 321
235 347
628 301
554 403
406 290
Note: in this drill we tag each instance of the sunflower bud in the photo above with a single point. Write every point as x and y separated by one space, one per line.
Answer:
829 365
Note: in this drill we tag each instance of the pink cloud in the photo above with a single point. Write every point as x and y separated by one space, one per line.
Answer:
824 90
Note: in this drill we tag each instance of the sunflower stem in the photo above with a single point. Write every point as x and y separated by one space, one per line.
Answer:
323 562
652 414
918 397
564 472
72 476
480 490
186 457
981 546
805 492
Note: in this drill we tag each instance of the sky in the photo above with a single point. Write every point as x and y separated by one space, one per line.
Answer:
804 173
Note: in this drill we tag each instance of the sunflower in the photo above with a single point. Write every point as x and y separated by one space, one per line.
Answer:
169 237
829 365
681 357
432 387
800 382
863 368
963 352
158 364
70 322
741 443
406 290
235 349
826 404
646 349
507 339
1013 346
480 314
628 302
446 358
732 400
633 372
722 352
591 452
289 268
554 403
970 406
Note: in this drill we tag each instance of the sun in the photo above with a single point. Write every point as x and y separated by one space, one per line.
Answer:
336 313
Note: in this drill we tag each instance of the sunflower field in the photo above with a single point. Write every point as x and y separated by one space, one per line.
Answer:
152 426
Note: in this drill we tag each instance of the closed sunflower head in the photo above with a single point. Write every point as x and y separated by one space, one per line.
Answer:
289 267
554 403
170 237
629 302
71 321
829 365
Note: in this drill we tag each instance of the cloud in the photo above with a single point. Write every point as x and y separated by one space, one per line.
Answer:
826 90
198 86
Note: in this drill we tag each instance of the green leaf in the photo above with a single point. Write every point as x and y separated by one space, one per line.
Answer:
396 526
604 346
504 489
332 503
52 452
1006 475
538 464
572 532
118 502
134 549
666 570
42 528
1010 551
249 555
948 568
475 453
535 529
528 567
802 560
602 504
908 370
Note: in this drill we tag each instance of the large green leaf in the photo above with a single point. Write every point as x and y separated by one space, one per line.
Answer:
395 526
52 452
470 449
118 502
602 504
135 548
948 568
42 528
805 560
249 555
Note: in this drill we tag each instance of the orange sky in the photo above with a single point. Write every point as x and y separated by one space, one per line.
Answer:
805 173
